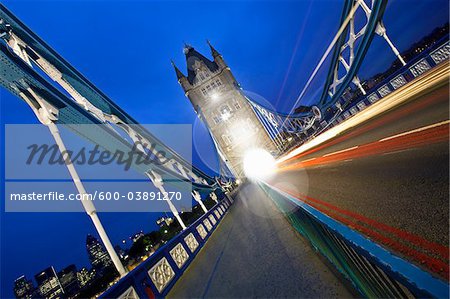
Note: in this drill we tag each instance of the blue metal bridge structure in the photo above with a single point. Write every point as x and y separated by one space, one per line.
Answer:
291 249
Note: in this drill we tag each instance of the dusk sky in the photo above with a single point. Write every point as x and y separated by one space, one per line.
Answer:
125 49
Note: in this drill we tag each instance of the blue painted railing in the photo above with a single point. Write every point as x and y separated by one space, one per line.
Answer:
374 271
155 276
438 53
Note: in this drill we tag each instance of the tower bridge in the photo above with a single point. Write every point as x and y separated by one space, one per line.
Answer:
218 100
359 202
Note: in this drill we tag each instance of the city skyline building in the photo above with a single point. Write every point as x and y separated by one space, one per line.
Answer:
69 280
48 283
98 256
23 288
84 276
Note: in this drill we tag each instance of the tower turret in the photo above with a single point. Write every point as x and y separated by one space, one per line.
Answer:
182 79
214 52
218 59
180 75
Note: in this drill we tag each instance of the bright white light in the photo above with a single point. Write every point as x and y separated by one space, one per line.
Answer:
214 96
259 164
226 116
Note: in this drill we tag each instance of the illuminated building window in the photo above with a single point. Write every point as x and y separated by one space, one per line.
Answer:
216 119
225 109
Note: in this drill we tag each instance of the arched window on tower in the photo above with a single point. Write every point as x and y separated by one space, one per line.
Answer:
236 104
227 139
203 73
225 109
225 112
216 119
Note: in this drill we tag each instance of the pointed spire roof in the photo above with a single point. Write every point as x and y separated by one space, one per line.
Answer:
187 47
192 56
214 52
177 71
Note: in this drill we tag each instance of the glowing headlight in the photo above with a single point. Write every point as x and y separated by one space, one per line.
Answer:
259 164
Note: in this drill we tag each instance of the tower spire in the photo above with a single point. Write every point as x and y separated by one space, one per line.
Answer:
187 47
213 50
177 71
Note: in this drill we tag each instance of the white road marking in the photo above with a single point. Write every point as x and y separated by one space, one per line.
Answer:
415 130
341 151
437 75
397 152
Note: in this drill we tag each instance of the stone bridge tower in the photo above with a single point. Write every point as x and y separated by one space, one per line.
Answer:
218 100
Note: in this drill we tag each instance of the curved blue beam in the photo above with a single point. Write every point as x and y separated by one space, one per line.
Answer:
85 87
336 52
376 15
17 75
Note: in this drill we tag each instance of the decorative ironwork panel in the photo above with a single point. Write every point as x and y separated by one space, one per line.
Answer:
441 54
161 274
384 90
361 105
130 293
398 81
201 231
212 219
420 68
191 242
353 110
179 255
207 224
373 98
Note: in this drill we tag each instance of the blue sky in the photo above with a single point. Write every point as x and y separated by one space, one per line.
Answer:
125 49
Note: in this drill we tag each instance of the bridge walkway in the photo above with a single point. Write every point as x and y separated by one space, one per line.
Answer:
256 253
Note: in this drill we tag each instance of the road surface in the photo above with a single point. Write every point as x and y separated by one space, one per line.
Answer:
256 253
387 177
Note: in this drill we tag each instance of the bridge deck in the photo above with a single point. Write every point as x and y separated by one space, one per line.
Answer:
256 253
